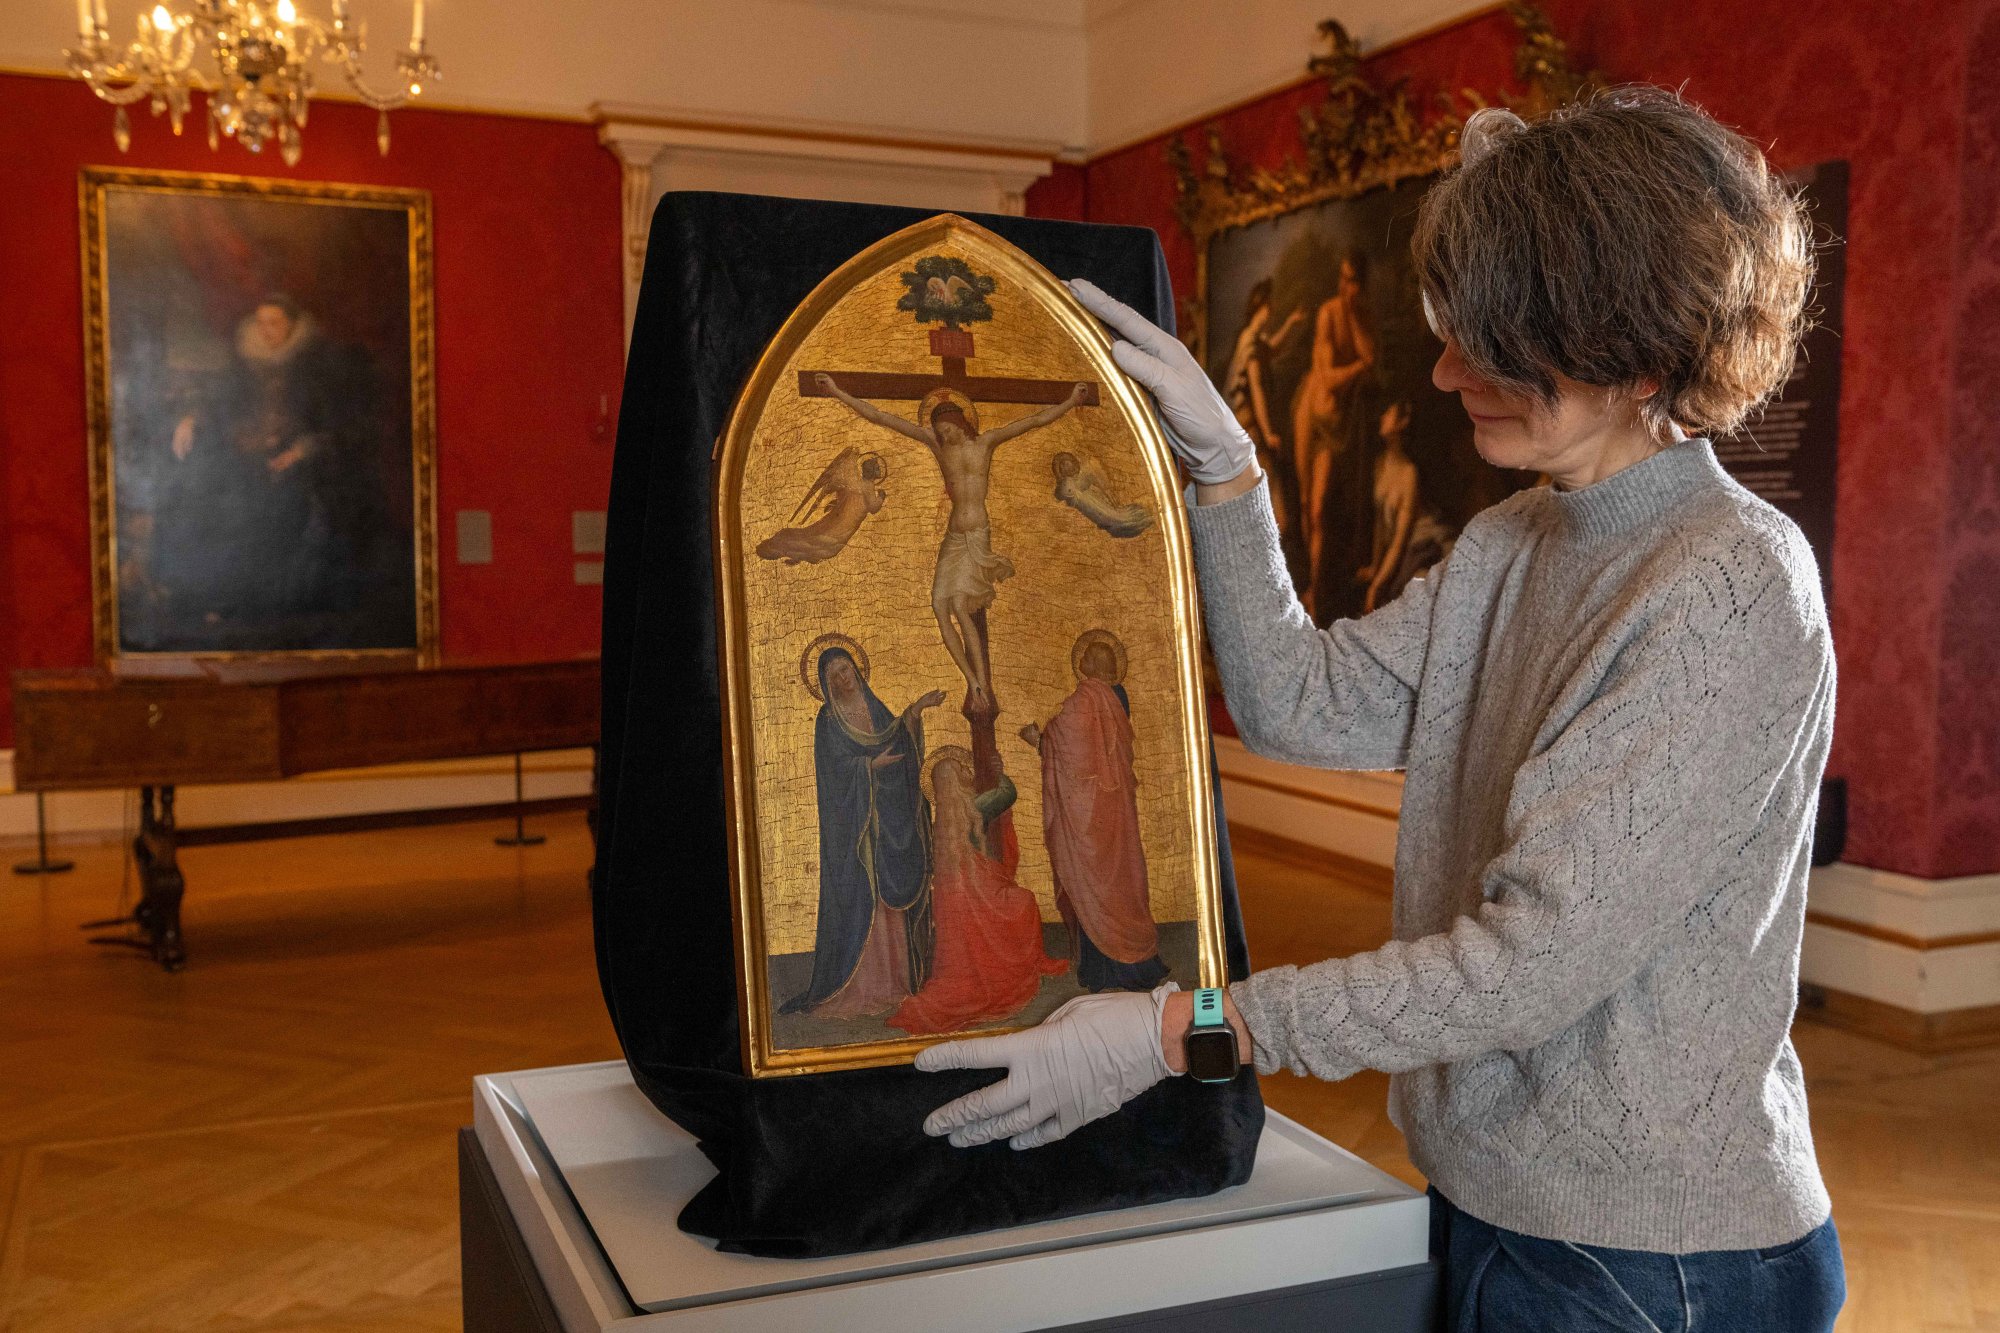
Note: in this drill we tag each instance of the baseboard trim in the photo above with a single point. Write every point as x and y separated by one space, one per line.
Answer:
1923 950
1351 815
1905 1028
1339 802
1887 936
1903 909
1307 856
1925 1034
108 815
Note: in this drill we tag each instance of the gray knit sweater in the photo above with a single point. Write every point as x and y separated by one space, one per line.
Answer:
1613 706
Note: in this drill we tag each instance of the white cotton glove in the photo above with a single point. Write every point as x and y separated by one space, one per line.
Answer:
1211 442
1086 1060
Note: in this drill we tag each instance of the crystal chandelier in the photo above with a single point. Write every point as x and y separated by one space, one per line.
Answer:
263 54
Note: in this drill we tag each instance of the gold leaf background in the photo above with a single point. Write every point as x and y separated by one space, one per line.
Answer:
1069 577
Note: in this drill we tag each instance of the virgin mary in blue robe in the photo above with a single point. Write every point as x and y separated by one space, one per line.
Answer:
874 841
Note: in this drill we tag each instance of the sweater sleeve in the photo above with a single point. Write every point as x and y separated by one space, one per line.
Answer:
1340 697
1703 738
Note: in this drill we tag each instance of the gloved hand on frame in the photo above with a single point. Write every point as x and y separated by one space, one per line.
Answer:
1204 431
1083 1062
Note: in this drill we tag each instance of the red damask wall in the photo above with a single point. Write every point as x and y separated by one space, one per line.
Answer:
529 342
1913 102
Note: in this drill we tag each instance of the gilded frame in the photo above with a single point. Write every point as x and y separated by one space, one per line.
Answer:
760 1057
1361 138
93 184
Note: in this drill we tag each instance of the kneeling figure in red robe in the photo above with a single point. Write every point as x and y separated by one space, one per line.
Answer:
989 961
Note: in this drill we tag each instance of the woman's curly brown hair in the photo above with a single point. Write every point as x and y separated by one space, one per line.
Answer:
1625 238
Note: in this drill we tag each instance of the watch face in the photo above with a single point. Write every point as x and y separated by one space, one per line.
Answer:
1211 1055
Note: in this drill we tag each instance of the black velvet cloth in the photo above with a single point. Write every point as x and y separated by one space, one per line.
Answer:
827 1163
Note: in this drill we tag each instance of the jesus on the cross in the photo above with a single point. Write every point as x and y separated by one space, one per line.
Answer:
947 424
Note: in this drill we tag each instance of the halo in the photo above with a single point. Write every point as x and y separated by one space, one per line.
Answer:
1087 638
937 398
938 756
880 462
809 660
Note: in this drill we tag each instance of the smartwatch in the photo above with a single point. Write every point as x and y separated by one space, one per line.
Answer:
1210 1043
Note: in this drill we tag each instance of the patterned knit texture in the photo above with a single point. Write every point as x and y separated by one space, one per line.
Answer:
1613 706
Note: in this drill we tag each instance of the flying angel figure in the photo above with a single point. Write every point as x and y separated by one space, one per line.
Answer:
1081 486
847 492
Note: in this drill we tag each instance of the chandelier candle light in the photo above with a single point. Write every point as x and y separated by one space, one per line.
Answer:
264 54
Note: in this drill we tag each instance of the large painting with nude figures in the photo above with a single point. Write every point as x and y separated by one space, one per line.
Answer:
1306 315
969 758
1317 338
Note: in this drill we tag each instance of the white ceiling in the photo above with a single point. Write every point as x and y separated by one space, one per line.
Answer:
1155 64
1075 75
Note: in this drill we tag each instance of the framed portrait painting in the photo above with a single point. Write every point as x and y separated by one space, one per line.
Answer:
969 759
260 416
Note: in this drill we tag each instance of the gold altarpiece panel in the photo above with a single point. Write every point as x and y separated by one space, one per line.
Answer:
965 725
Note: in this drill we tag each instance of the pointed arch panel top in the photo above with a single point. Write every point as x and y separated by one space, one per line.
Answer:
968 752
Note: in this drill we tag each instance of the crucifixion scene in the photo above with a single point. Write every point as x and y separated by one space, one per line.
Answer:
913 580
967 569
946 291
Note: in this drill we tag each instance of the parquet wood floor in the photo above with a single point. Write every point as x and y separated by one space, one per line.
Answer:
264 1142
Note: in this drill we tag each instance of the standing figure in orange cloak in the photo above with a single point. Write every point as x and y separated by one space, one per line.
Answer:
989 960
1090 822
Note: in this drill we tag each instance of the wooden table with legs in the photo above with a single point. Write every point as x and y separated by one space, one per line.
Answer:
96 729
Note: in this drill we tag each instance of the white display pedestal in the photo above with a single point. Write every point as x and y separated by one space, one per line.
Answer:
593 1177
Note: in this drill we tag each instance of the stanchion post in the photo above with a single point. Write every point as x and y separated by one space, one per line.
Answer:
41 865
520 836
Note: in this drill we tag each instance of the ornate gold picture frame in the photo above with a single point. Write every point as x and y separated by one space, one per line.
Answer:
260 404
967 747
1361 138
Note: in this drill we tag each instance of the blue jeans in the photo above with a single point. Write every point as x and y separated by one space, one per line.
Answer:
1500 1281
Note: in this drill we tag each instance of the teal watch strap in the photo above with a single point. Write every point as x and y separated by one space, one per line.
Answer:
1208 1008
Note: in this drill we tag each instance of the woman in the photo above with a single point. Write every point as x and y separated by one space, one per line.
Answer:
1612 703
989 961
1246 384
1409 536
872 943
1330 441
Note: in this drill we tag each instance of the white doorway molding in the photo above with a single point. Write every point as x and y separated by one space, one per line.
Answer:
662 150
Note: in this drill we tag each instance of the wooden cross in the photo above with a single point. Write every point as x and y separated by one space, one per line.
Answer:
953 346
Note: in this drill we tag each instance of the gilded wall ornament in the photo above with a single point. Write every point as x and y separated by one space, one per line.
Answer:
1361 138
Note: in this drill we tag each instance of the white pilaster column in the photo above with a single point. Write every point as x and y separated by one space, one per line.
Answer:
635 162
